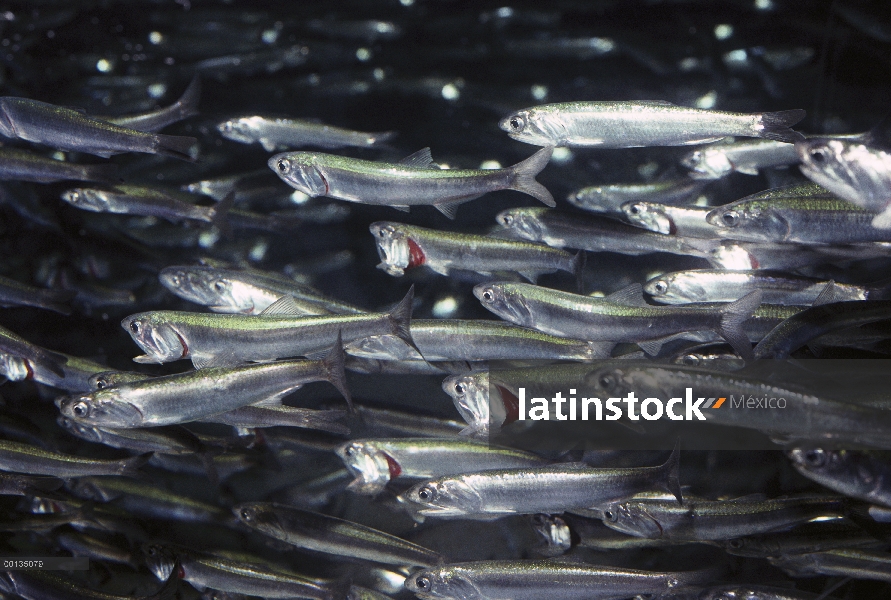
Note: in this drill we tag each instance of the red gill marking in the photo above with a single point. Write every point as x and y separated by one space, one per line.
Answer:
511 405
393 465
416 256
184 345
30 370
181 574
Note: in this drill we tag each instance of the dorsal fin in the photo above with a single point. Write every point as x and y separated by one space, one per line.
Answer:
631 295
829 294
420 160
286 305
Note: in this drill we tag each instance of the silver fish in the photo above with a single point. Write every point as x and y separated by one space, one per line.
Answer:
417 180
146 201
684 221
20 165
470 393
609 198
32 460
156 120
854 473
281 134
632 124
748 157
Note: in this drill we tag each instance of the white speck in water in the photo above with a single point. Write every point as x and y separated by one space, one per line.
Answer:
490 164
298 197
562 155
258 252
157 90
539 92
505 12
450 91
156 37
708 100
59 155
764 4
363 54
736 56
445 307
270 36
723 31
208 237
103 65
648 169
406 2
379 74
688 64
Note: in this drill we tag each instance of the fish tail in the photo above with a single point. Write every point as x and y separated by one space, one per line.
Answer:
672 469
177 146
106 173
733 316
169 589
220 211
524 176
57 300
333 364
187 105
130 466
382 137
400 319
775 125
578 269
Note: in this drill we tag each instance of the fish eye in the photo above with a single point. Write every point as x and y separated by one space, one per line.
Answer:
488 296
611 515
283 166
423 582
101 383
818 155
219 286
459 389
730 218
735 544
507 220
815 457
427 493
690 360
517 123
247 514
606 382
635 209
134 326
660 287
80 409
349 451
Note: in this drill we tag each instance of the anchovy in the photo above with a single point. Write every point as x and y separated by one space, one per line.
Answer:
595 234
146 201
40 365
703 520
40 585
609 198
727 286
280 134
470 393
250 417
855 473
235 576
684 221
14 293
620 317
739 591
536 579
14 484
846 562
321 533
209 339
171 439
104 379
32 460
496 493
68 129
414 181
747 156
173 399
376 462
21 165
247 292
402 247
568 531
80 544
156 120
633 124
810 537
474 340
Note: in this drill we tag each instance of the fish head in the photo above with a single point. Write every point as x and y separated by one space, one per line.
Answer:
658 286
444 582
300 171
534 127
87 199
448 496
633 519
371 467
86 488
522 222
160 341
607 381
848 168
15 368
159 560
79 430
751 221
470 393
707 163
111 412
649 216
392 247
242 130
501 299
381 347
107 379
824 463
257 516
204 286
555 531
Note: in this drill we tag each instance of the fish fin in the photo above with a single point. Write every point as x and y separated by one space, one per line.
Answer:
177 146
532 276
630 425
400 320
401 207
130 465
199 362
732 318
102 173
828 295
631 295
53 361
44 483
420 160
170 587
334 367
272 401
145 359
775 125
651 347
439 269
747 170
524 176
578 269
210 468
381 137
672 470
450 207
599 350
187 105
220 212
883 219
268 144
286 305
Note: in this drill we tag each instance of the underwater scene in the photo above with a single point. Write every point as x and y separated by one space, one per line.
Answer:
443 299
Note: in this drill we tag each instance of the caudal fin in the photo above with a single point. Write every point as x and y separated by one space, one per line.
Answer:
400 319
334 367
732 318
102 173
775 125
170 587
524 176
187 105
177 146
219 212
672 471
129 466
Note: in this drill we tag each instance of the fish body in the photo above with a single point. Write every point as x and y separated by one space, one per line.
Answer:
274 134
855 473
14 293
156 120
684 221
747 157
22 458
609 198
415 181
143 201
634 124
21 165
